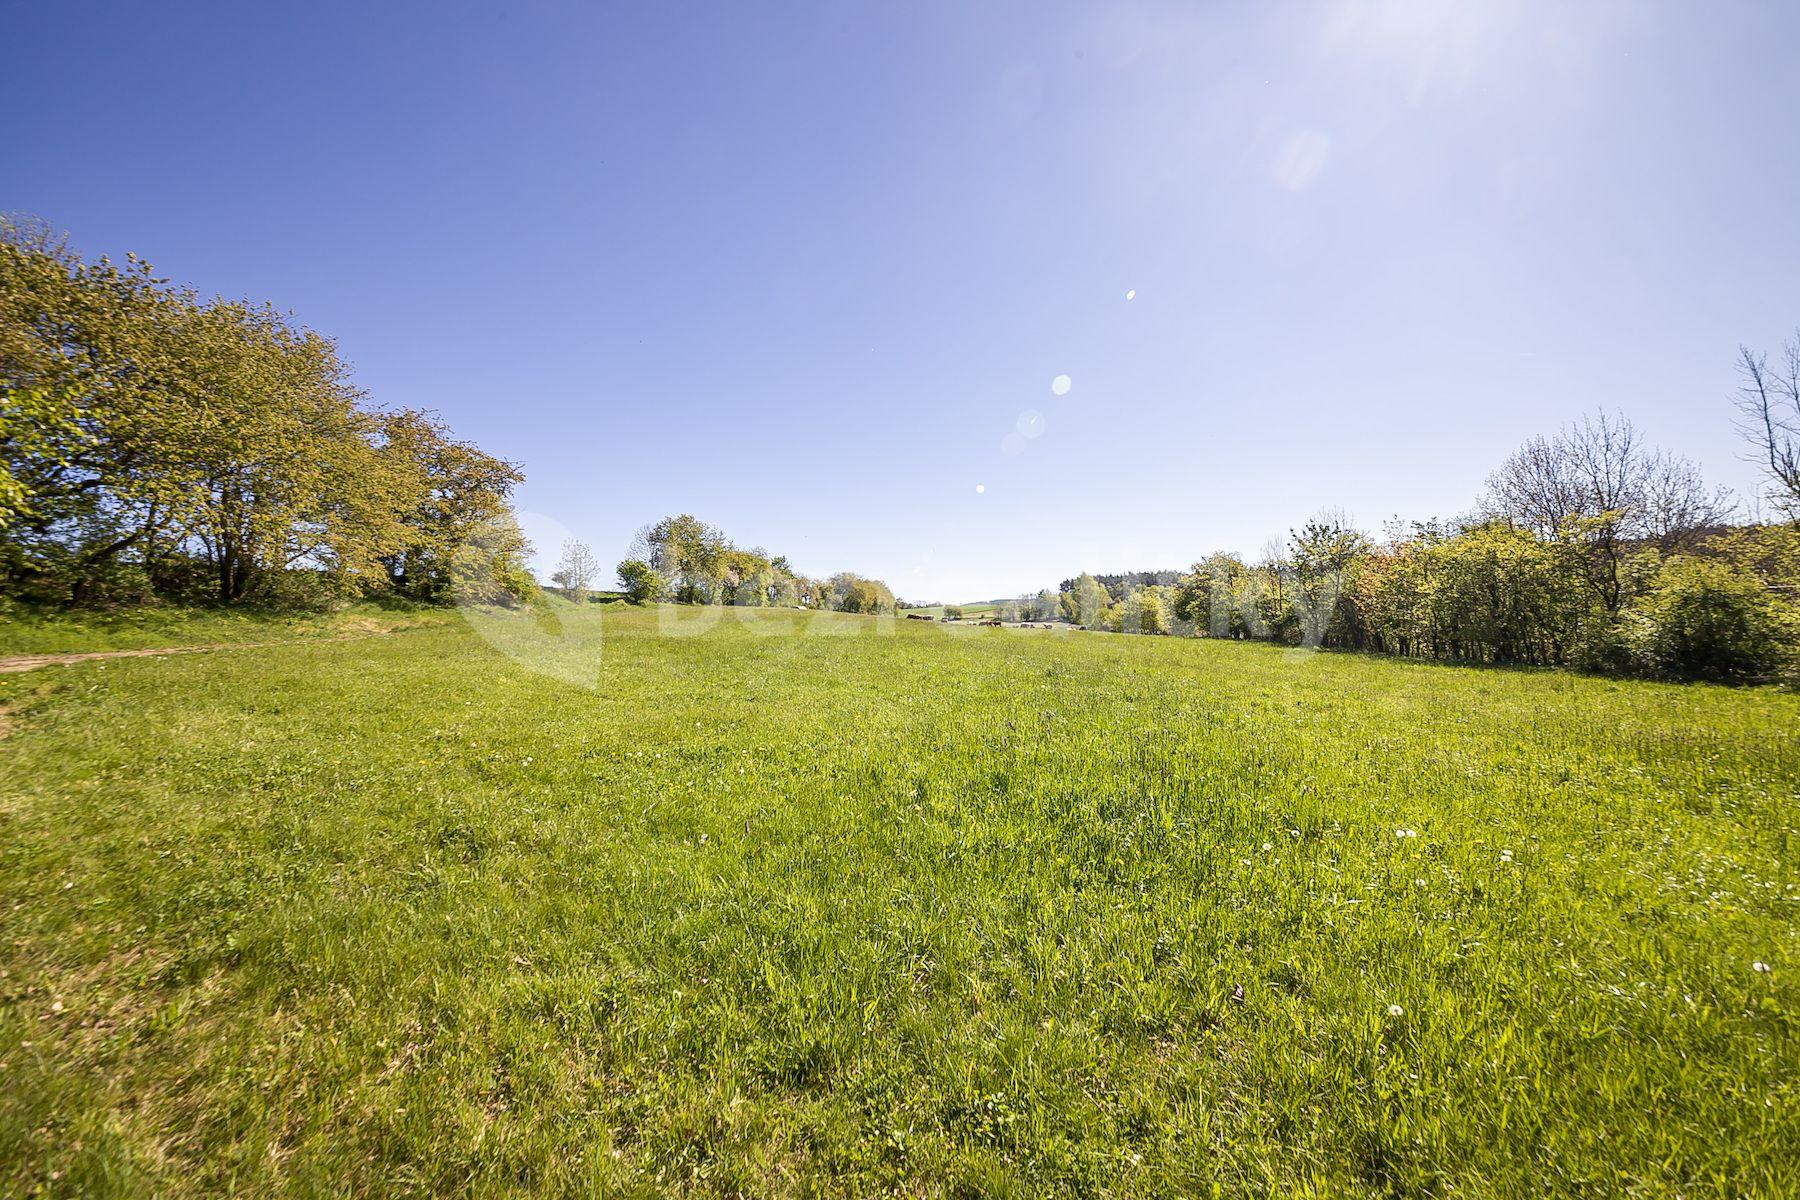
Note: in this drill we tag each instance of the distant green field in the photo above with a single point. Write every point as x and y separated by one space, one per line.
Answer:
968 610
826 905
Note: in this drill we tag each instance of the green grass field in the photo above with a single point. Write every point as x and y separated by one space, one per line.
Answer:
52 631
827 906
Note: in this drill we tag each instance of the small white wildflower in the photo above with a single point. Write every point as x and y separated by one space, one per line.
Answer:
1760 967
1394 1010
1268 845
1406 833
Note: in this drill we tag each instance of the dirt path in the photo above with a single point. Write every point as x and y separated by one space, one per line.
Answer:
31 662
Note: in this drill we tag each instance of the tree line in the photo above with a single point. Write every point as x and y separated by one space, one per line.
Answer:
1589 549
684 560
155 444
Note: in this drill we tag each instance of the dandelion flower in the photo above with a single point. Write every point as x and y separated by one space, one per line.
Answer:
1394 1010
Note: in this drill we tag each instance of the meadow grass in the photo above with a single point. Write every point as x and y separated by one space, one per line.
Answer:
26 629
826 905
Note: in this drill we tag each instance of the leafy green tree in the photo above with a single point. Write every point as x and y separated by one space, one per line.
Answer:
1144 611
445 489
488 566
1490 592
747 577
953 612
641 581
264 458
1324 558
83 348
853 594
784 588
689 553
1086 602
146 434
1209 598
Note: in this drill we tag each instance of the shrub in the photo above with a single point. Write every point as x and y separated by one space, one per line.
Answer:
1705 619
640 580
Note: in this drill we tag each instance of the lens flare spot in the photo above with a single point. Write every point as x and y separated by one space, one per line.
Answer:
1012 445
1061 385
980 488
1132 294
1030 423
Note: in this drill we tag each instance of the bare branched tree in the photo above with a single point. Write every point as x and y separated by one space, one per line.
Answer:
1676 505
1599 480
1538 486
1768 404
578 570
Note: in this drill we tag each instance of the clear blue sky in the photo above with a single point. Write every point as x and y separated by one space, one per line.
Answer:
801 269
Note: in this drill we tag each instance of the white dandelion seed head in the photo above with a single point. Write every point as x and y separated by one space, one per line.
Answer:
1394 1010
1761 968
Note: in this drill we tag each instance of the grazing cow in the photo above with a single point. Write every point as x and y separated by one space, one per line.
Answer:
917 617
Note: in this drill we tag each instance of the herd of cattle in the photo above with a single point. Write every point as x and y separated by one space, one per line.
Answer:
994 621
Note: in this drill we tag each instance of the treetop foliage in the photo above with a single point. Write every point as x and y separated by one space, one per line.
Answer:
691 562
152 443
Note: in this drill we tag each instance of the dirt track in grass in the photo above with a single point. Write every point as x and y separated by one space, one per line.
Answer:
30 662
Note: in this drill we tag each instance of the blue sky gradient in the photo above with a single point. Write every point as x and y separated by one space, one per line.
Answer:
801 270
